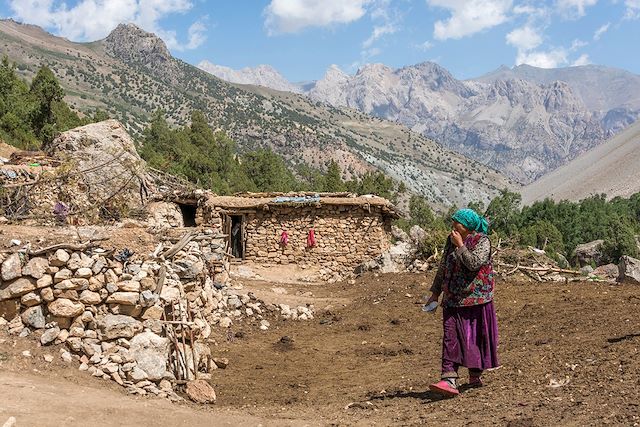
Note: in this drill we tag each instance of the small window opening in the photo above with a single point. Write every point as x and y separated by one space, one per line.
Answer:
237 247
188 214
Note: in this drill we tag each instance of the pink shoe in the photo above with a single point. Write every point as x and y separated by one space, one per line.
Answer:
475 382
444 388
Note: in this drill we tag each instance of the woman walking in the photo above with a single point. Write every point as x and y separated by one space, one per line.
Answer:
466 278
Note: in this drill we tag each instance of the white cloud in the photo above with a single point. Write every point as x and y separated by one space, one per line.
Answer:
633 9
550 59
582 60
379 31
469 17
94 19
292 16
575 8
577 44
426 45
525 38
600 31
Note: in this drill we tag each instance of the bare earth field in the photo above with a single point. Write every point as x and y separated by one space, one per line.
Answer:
570 355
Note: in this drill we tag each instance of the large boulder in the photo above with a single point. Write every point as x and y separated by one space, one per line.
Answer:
111 167
588 253
629 270
115 326
164 215
151 352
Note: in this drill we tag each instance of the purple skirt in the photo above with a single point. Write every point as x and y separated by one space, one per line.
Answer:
470 338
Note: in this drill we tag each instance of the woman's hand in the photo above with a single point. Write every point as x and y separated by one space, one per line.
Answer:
434 297
456 239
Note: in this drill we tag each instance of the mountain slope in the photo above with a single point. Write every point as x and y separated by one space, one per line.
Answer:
612 168
131 74
262 75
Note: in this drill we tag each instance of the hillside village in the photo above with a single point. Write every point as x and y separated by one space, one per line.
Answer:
165 285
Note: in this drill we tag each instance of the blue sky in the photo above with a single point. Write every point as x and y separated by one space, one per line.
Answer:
301 38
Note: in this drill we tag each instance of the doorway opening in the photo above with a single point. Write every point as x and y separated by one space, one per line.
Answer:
237 244
188 214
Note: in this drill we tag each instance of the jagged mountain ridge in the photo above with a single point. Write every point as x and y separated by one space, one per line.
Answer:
131 74
524 121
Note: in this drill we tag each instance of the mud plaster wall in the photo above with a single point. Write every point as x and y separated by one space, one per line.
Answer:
345 235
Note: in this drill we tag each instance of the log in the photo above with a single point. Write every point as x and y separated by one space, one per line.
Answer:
178 246
71 247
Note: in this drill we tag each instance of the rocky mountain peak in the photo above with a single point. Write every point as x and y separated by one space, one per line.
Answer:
132 44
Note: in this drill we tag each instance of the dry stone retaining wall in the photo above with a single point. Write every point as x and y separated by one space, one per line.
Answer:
114 313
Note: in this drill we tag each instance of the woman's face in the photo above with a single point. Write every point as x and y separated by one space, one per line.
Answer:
460 228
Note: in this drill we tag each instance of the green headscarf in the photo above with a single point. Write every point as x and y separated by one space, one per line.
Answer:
471 220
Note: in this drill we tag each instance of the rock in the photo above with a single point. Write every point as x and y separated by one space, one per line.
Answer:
59 258
151 352
36 267
34 317
115 326
399 234
47 294
17 288
64 274
153 313
30 299
588 253
148 298
62 336
66 356
586 270
48 358
74 344
221 362
90 298
136 374
49 335
63 307
629 270
44 281
164 215
607 271
83 273
165 385
200 391
75 262
225 322
128 286
124 298
93 145
26 353
169 294
11 267
417 234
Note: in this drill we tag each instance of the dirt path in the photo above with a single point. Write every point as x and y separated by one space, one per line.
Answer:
35 400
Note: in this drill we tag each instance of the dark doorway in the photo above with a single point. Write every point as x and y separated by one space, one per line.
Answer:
237 246
188 214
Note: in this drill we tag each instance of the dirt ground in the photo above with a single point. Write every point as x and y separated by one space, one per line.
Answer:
569 353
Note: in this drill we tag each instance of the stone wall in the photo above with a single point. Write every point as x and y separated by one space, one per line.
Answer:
121 316
345 235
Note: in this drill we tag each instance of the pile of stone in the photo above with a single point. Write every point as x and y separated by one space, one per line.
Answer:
113 311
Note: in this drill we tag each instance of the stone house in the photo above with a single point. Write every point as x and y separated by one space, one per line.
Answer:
337 231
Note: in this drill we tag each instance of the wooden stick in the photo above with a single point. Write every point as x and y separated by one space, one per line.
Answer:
178 246
546 269
162 274
72 247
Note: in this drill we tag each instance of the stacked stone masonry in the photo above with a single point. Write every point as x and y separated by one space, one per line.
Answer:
345 236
